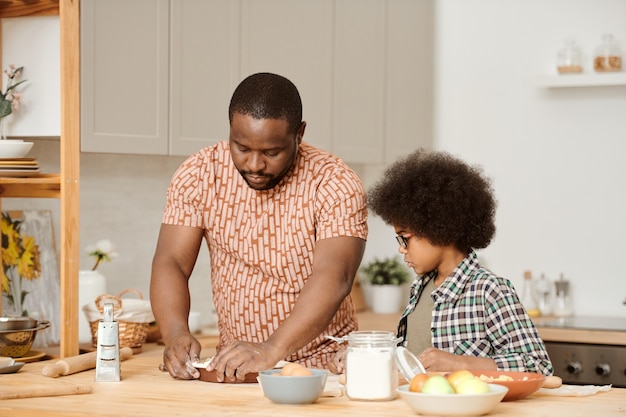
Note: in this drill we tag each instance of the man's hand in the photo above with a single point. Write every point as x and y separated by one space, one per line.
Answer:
337 364
179 356
233 362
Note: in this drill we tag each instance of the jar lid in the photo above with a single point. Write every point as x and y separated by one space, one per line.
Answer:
372 338
408 364
609 46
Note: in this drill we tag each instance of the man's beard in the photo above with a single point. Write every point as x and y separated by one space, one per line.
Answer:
273 179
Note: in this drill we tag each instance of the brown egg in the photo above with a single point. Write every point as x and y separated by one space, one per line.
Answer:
301 371
288 369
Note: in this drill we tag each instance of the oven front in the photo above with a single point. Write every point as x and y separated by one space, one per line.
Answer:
588 364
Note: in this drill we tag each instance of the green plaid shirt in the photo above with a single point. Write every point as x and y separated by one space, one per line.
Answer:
478 313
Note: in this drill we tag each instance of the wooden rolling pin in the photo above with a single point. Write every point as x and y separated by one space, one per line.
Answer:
552 382
79 363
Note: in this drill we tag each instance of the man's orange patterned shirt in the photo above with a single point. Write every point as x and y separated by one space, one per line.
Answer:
261 243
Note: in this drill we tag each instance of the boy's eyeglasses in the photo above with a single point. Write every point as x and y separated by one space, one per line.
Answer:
402 241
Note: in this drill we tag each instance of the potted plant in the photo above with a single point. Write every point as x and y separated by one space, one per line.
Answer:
385 278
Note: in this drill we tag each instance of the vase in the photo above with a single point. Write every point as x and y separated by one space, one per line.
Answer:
14 307
386 299
3 128
91 284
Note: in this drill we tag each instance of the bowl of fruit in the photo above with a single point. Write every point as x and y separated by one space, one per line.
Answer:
459 393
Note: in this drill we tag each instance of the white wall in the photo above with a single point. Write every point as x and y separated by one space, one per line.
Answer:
556 157
40 113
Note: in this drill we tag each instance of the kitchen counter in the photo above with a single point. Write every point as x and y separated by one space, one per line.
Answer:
146 391
592 330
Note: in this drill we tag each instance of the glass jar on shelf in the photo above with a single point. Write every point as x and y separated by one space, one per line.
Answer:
569 58
608 56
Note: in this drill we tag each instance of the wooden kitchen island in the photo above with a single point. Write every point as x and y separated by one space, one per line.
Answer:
146 391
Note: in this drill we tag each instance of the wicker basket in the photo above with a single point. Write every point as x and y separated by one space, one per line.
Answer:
131 334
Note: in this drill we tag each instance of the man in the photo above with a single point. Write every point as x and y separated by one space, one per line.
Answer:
285 224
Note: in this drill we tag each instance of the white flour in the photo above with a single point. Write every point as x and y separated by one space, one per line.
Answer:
370 374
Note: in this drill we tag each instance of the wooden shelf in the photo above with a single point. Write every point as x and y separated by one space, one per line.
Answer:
24 8
66 185
41 186
581 80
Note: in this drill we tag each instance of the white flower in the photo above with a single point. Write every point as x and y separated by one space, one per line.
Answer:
10 98
104 250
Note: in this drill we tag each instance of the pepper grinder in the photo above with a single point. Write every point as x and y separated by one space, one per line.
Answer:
544 291
562 302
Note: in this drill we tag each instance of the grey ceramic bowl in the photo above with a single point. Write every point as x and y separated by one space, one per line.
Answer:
292 389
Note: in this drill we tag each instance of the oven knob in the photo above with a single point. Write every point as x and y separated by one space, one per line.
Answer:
574 368
603 369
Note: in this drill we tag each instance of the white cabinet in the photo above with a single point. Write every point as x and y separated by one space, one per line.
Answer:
359 66
294 39
203 71
363 68
124 60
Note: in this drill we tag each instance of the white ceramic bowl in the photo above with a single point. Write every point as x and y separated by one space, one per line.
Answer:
14 148
292 389
453 404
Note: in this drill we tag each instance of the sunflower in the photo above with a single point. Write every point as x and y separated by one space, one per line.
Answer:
20 261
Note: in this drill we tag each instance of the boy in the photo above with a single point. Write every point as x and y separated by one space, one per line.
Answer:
460 315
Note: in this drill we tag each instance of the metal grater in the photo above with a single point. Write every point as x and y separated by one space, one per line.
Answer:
108 355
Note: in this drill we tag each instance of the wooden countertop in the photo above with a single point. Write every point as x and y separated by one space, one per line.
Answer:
146 391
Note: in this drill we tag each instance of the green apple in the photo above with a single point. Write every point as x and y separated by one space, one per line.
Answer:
437 384
472 386
456 377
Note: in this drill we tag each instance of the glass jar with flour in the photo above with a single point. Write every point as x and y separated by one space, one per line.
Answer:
371 370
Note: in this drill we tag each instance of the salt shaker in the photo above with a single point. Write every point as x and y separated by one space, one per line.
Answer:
544 291
371 370
563 303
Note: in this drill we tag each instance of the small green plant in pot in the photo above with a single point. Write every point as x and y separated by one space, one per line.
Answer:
385 278
387 271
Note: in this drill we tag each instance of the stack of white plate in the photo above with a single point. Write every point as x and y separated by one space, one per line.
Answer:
19 167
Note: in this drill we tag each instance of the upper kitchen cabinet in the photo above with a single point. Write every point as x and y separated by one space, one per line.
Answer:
362 68
124 60
204 71
294 39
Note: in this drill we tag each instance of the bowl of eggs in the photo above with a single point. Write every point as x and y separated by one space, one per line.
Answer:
459 393
292 384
